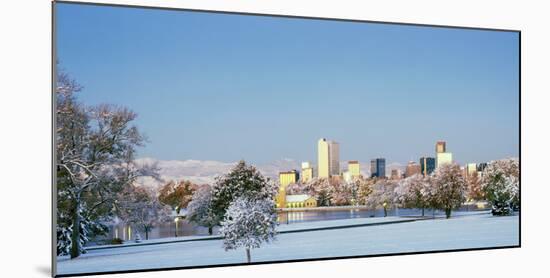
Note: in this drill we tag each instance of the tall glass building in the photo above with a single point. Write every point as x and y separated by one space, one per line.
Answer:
378 167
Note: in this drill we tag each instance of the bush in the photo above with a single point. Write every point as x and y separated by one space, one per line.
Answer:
116 240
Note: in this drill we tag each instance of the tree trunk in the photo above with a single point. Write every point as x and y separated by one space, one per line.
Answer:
422 211
210 230
146 234
75 235
248 255
385 212
448 213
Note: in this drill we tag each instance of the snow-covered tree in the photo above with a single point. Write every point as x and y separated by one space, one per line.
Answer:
295 189
177 195
500 183
241 181
341 194
414 192
448 188
321 189
383 195
364 189
199 209
248 223
140 207
95 148
475 191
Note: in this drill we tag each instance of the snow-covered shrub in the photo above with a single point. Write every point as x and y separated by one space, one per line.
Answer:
500 183
249 222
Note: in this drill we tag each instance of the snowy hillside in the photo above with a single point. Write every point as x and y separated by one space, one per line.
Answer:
205 171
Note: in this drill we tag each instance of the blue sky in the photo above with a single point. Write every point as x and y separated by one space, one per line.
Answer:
227 87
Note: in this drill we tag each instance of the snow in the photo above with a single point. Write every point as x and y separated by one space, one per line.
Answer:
470 231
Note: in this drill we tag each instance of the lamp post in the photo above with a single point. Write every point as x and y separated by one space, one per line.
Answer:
176 220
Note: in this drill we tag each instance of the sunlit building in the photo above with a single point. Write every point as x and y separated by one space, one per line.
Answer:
300 201
440 146
443 158
470 169
286 178
307 172
328 158
353 168
413 168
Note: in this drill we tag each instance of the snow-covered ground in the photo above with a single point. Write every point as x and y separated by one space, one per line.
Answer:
473 231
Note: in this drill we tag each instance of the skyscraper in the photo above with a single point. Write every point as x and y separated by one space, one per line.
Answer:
427 165
328 158
441 154
440 147
413 168
378 167
323 158
334 158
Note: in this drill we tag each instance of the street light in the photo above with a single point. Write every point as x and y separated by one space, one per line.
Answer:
176 220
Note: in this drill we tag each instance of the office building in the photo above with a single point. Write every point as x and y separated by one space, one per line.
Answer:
443 158
395 175
328 158
378 167
413 168
354 168
471 168
427 165
440 147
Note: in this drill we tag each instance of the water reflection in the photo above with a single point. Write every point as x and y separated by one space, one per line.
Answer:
168 229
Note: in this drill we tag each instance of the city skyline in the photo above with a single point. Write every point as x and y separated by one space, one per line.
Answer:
351 82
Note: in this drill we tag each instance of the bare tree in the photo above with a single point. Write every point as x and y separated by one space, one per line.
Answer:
140 207
95 148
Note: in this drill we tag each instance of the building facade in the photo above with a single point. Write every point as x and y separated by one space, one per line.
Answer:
354 168
307 172
413 168
300 201
443 158
378 167
427 165
328 158
440 146
395 175
286 178
471 168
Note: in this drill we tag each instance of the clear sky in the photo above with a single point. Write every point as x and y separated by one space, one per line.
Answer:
225 87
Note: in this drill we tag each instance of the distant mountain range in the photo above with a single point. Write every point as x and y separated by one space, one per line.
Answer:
205 171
